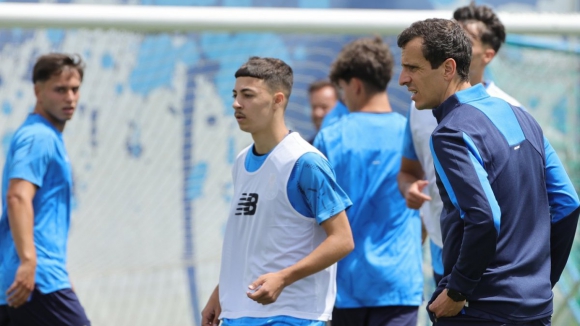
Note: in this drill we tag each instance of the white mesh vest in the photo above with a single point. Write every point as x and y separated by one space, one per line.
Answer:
265 234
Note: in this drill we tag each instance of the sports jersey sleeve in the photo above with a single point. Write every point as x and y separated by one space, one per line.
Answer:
318 195
31 156
460 169
408 146
564 210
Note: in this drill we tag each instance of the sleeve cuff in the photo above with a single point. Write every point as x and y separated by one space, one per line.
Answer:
460 283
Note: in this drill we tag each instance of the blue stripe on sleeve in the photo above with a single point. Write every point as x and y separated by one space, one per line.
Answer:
444 179
561 193
482 176
408 146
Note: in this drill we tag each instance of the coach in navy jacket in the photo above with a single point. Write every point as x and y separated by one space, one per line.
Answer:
510 211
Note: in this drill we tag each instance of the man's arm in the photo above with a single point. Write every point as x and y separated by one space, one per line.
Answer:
337 245
212 310
411 174
411 183
21 219
564 208
459 167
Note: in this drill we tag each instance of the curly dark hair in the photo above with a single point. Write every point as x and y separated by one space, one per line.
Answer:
490 29
442 39
368 59
276 73
52 64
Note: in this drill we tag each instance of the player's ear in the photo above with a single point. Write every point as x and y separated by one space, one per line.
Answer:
449 69
279 98
358 85
36 89
488 55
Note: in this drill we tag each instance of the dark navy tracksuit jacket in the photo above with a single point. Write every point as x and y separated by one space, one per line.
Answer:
510 210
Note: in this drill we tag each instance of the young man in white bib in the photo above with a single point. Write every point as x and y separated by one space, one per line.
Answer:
287 225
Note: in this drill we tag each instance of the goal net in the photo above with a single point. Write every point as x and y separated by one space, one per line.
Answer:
154 139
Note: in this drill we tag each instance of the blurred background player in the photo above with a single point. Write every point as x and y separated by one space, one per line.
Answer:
287 226
510 210
323 96
381 281
36 197
417 176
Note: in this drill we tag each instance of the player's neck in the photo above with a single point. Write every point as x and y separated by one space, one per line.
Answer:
454 87
57 124
377 103
265 140
475 78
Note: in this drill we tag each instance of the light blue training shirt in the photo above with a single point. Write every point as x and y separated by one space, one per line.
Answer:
385 267
37 154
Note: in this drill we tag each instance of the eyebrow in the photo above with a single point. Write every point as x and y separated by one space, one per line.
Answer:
244 90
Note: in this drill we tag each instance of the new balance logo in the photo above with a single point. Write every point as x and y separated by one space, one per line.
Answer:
247 204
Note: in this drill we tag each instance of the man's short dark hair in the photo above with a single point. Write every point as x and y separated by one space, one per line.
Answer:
490 29
442 39
320 84
52 64
368 59
274 72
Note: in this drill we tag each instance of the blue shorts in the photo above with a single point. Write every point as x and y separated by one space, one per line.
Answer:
271 321
376 316
56 308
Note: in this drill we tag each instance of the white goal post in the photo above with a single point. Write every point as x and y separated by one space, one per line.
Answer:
290 20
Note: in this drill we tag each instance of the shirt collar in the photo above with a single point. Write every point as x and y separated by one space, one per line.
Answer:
43 120
472 93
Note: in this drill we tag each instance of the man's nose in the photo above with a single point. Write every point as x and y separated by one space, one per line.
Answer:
404 78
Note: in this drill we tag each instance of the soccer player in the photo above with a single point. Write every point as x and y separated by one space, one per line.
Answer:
287 225
381 281
323 97
36 202
417 176
509 209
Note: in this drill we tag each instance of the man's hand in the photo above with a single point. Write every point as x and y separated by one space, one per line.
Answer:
414 196
266 288
22 286
443 306
212 310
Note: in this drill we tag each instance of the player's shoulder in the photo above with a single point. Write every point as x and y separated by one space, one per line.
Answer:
494 91
312 163
312 158
39 132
